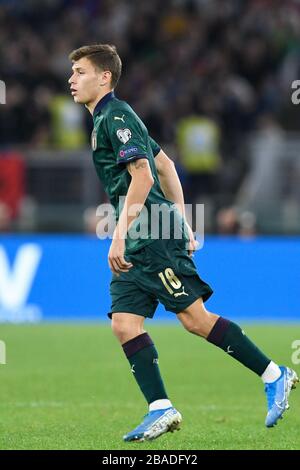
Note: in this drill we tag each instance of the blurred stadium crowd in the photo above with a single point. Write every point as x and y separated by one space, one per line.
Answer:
206 76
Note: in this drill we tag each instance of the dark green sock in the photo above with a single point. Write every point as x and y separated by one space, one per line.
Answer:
229 337
142 355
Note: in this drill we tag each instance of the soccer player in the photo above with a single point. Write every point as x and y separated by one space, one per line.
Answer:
147 269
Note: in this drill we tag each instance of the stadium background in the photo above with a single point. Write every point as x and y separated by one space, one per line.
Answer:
212 80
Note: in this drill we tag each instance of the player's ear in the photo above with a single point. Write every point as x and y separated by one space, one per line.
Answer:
105 77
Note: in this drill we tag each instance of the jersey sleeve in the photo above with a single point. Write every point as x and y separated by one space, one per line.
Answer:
155 147
128 138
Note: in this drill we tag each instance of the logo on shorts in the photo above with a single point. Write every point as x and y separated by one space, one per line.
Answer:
124 135
177 294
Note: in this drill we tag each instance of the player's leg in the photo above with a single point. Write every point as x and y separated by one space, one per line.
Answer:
141 354
143 358
127 326
228 336
233 340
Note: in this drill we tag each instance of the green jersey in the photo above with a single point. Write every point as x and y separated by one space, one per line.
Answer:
119 137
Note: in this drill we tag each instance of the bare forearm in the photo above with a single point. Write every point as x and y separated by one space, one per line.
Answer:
135 199
171 187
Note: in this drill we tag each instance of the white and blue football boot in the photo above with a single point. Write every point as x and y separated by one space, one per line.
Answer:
155 423
277 395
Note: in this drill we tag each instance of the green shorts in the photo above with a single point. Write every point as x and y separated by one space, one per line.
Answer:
162 272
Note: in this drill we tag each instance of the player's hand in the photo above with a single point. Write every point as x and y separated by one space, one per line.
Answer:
116 260
193 243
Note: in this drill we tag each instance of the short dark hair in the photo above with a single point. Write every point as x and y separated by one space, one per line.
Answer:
103 56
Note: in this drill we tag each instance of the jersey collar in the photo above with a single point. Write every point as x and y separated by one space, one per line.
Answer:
104 100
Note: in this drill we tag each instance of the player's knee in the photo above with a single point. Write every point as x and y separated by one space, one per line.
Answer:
200 324
119 327
193 326
125 330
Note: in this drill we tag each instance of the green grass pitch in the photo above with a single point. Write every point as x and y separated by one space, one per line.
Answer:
70 387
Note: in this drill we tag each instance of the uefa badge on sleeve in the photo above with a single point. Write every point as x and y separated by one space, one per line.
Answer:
124 135
94 139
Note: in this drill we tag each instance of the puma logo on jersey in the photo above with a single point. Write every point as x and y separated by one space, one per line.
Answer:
117 118
177 294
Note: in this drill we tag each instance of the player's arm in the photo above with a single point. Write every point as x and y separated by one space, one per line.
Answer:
169 180
172 189
139 188
128 140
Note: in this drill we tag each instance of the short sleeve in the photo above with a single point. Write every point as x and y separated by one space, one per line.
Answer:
155 147
127 136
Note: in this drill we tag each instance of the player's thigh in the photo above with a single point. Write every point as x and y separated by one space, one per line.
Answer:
172 275
130 305
128 296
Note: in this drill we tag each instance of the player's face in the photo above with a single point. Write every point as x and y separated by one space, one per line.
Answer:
85 81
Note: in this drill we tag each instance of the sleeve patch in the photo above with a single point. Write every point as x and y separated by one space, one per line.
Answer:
124 135
127 152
